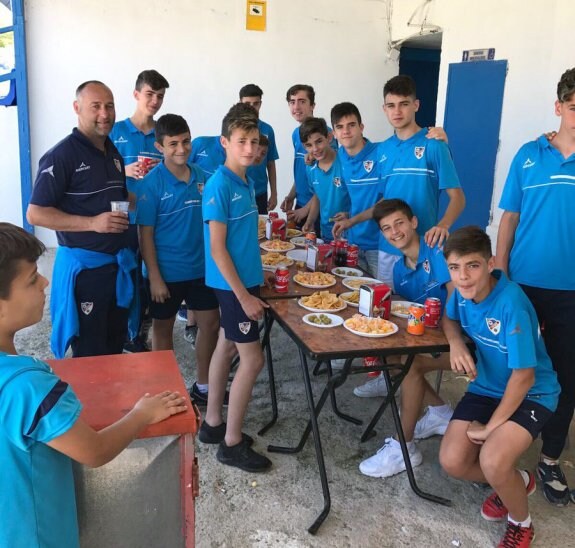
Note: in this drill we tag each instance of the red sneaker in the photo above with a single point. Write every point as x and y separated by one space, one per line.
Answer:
517 537
493 508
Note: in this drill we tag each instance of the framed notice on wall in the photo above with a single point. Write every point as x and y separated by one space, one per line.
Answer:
256 15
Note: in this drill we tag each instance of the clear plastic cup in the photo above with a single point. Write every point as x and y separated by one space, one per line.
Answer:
120 206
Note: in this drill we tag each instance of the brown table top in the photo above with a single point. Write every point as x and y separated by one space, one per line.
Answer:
109 386
339 342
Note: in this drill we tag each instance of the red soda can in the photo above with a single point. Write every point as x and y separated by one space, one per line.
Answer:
281 279
340 258
432 312
310 239
372 361
273 215
415 321
352 255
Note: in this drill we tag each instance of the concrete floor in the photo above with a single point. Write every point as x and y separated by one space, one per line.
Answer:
238 509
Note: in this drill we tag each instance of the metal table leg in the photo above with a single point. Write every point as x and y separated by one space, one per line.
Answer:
266 345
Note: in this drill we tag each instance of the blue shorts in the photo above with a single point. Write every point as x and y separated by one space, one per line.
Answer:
530 415
236 325
196 293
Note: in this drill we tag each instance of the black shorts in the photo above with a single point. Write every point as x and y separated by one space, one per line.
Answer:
262 203
530 415
196 293
237 326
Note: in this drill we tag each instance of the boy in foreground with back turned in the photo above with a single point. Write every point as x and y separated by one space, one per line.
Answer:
41 429
513 390
234 270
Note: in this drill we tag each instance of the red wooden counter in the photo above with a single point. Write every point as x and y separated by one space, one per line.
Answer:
144 497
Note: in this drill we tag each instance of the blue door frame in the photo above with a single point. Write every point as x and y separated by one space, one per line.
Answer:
19 78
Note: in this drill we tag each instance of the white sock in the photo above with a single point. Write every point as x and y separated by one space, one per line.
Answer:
525 476
549 462
203 388
525 523
410 445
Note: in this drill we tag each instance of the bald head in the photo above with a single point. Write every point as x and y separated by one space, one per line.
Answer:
94 106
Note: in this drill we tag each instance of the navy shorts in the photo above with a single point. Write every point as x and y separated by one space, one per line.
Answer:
196 293
237 326
530 415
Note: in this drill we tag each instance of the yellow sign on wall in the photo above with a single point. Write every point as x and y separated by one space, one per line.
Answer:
256 15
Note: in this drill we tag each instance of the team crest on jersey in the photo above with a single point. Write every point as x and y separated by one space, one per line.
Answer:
118 164
368 165
337 181
493 325
418 151
245 327
200 187
426 266
87 308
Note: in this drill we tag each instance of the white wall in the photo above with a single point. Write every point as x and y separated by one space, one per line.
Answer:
535 36
205 52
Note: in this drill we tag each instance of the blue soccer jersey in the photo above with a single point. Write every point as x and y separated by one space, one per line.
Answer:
131 143
259 173
303 193
208 154
506 333
429 278
331 191
174 209
38 503
363 179
230 200
541 188
416 170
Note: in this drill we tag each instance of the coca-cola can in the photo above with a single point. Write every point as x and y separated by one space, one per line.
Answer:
432 312
352 255
281 279
372 361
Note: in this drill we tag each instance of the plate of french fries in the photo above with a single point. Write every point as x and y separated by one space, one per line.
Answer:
400 308
314 280
350 297
271 260
370 327
355 282
293 232
277 245
322 301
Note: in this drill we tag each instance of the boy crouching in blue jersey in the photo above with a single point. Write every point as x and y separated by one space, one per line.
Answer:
324 176
171 232
234 270
40 427
420 273
513 389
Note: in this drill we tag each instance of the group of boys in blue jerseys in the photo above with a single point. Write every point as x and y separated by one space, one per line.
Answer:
198 238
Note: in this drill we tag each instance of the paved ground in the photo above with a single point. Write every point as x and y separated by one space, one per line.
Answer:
233 511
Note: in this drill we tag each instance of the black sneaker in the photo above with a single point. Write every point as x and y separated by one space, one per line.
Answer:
242 456
201 398
573 496
190 334
555 486
135 345
216 434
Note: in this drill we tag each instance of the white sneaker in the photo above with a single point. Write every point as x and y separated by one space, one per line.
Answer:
374 388
337 365
432 424
388 460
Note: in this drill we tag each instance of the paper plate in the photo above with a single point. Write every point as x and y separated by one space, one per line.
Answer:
297 255
300 241
293 233
355 282
335 320
322 310
372 335
314 286
347 293
346 272
400 313
265 246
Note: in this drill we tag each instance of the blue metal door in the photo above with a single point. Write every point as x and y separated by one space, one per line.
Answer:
472 119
